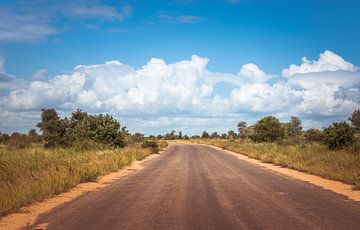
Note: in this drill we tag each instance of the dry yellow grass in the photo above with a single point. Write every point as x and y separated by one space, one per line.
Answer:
35 173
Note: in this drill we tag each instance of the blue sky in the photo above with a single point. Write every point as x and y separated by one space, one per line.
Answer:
41 40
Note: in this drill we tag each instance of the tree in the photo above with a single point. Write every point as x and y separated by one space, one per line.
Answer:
215 135
76 117
4 137
205 135
231 133
294 127
180 135
339 135
102 129
170 136
33 136
313 135
355 121
224 136
53 128
242 125
267 129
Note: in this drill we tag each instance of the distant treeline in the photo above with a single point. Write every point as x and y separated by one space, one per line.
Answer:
269 129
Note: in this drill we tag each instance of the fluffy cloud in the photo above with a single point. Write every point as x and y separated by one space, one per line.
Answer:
328 61
185 94
253 72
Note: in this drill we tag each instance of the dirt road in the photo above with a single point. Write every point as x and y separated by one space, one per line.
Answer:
198 187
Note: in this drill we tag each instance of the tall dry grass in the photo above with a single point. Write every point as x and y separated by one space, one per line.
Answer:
34 173
315 158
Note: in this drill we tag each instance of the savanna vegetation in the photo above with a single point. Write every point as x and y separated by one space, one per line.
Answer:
69 151
332 152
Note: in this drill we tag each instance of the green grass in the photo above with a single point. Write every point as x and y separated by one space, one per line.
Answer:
314 158
34 173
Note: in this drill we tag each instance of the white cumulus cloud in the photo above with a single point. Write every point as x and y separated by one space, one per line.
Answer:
328 61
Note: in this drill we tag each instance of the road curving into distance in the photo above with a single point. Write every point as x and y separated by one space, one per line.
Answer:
198 187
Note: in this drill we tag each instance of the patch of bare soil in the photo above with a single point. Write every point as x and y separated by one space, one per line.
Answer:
335 186
28 214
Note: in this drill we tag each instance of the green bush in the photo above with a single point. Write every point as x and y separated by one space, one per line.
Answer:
151 143
339 135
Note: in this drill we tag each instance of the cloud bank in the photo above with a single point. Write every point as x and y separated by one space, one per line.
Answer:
186 95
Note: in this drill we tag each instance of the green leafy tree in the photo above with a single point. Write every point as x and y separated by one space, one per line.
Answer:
102 129
76 117
53 128
242 127
170 136
355 121
205 135
231 133
180 135
267 129
339 135
215 135
33 136
294 127
4 137
313 135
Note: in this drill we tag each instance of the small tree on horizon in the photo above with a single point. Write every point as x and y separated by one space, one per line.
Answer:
53 128
215 135
205 134
294 127
355 122
267 129
242 126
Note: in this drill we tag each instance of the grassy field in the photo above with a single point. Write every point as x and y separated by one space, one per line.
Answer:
34 173
314 158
